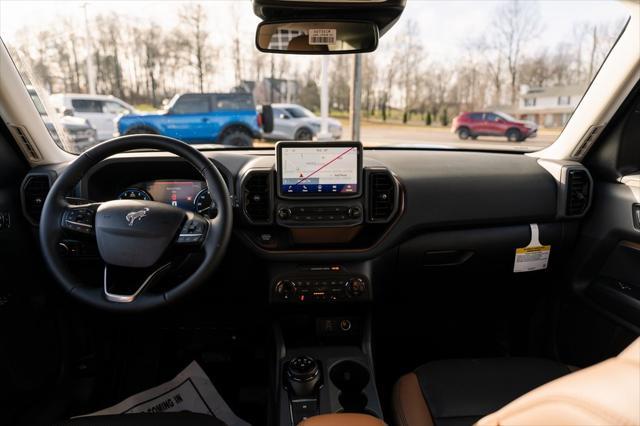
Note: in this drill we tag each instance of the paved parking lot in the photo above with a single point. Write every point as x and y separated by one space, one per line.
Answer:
377 134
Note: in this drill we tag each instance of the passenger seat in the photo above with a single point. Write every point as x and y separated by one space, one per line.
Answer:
467 391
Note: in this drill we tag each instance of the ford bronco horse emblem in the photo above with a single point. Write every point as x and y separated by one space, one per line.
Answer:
136 215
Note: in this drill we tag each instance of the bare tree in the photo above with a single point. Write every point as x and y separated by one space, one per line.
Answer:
235 45
516 23
369 76
108 66
74 42
339 67
194 19
408 55
536 70
152 42
492 65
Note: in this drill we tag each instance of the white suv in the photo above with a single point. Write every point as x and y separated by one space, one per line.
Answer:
100 110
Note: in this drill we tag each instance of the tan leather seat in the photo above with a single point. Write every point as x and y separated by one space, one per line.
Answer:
342 419
607 393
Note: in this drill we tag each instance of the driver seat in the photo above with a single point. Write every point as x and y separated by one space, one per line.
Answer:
182 418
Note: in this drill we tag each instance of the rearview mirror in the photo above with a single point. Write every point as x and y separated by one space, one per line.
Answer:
317 37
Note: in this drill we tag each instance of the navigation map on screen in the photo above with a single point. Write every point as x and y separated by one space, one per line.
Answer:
319 170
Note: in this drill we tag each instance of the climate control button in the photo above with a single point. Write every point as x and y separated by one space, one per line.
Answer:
356 287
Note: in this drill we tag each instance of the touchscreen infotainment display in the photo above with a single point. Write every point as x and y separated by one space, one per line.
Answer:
319 169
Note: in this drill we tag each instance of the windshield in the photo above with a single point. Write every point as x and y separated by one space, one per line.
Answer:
299 112
506 116
441 76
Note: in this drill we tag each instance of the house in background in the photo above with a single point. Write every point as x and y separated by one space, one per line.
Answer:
549 106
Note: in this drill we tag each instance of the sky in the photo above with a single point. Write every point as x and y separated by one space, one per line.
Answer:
443 25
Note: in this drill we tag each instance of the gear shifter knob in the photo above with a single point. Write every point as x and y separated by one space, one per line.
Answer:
303 375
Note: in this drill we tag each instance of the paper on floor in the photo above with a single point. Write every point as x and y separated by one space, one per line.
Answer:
191 390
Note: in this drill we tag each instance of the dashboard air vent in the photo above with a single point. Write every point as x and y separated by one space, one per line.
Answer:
34 192
382 196
578 191
256 193
24 140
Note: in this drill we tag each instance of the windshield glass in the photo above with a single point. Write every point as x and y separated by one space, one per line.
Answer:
506 116
502 75
299 112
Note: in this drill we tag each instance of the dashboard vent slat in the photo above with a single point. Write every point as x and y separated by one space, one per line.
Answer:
578 192
382 196
34 192
25 142
257 197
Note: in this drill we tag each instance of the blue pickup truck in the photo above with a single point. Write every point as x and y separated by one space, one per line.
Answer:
225 118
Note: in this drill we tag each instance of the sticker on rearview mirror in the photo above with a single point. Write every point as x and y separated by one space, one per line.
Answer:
322 36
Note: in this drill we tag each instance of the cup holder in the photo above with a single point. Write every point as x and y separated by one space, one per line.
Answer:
351 378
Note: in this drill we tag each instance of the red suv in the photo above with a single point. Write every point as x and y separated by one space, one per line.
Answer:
474 124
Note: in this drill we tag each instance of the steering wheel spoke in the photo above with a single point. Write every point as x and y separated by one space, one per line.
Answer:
80 218
125 285
194 231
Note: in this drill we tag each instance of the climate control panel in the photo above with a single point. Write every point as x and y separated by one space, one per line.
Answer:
320 289
297 215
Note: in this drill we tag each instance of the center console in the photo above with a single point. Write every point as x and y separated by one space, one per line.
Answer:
319 197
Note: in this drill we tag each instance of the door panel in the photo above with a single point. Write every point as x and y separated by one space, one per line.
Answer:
493 124
190 119
284 125
608 255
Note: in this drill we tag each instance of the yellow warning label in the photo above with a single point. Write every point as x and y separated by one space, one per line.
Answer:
532 249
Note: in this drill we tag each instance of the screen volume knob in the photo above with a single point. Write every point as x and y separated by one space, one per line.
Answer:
285 289
284 213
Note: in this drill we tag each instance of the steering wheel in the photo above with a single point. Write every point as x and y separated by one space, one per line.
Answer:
138 240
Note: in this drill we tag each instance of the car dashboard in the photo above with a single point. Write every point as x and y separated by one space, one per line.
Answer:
436 208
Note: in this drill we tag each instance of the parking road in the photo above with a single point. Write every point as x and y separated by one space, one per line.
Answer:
378 134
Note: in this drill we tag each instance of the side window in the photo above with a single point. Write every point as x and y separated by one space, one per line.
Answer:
491 117
295 112
233 101
115 108
192 105
86 105
476 116
280 113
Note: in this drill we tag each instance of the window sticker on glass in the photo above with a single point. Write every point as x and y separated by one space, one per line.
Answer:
322 36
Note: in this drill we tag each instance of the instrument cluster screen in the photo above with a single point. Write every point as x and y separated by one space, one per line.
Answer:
186 194
177 192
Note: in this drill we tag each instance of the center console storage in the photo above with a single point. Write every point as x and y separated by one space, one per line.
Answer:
344 384
351 379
